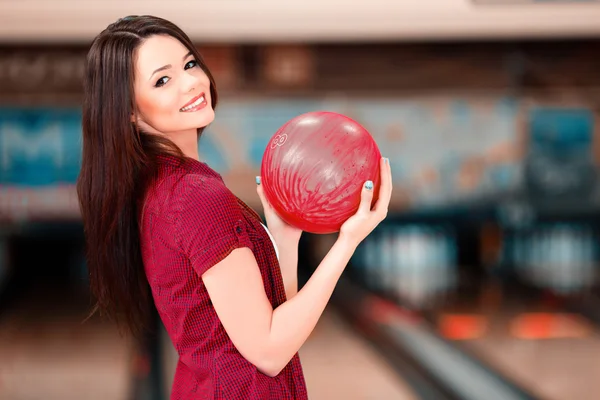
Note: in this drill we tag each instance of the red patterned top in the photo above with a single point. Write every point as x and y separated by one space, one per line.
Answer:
190 222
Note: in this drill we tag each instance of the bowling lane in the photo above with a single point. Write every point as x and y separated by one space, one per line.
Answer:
554 368
530 340
47 353
504 320
526 330
338 364
46 350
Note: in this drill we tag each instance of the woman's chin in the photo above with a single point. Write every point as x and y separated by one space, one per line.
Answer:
201 118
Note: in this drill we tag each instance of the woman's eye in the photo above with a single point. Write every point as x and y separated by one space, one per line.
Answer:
191 64
161 81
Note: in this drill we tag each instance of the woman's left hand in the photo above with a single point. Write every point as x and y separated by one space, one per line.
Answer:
280 229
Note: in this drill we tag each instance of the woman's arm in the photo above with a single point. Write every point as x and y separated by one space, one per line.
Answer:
269 338
287 238
288 263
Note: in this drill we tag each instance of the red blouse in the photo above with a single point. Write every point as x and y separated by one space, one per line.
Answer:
190 222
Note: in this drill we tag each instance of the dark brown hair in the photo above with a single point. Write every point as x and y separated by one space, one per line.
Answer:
118 160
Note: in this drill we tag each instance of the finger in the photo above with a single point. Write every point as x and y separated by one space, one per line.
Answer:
389 175
366 197
385 190
261 193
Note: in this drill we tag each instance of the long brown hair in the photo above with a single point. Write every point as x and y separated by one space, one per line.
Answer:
118 160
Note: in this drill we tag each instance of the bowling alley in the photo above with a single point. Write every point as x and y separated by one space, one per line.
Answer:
324 200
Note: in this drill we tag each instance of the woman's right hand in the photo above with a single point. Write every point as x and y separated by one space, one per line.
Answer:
361 224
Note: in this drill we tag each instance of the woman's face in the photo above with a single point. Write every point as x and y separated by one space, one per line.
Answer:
172 92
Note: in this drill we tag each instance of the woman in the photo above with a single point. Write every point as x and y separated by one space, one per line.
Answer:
161 223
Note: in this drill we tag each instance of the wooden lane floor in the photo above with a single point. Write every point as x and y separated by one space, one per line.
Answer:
47 353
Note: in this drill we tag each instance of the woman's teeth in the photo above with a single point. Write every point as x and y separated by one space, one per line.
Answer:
194 104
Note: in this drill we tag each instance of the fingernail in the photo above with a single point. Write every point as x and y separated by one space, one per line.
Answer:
258 180
369 185
386 160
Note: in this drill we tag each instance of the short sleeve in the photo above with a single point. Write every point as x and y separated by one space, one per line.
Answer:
210 224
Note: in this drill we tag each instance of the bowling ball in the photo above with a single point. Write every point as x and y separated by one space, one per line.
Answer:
314 167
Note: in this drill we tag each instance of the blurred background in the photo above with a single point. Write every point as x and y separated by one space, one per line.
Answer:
481 284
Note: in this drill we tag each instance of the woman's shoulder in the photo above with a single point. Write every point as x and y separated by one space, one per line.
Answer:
197 193
187 191
195 185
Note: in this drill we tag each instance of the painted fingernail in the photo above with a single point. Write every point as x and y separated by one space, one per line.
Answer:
369 185
258 180
386 160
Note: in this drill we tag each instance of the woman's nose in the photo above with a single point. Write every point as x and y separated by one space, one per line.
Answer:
190 83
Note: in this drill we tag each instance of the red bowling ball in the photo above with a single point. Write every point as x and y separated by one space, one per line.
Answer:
314 168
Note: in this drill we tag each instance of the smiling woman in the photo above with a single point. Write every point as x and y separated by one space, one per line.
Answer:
169 97
128 121
161 225
164 92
